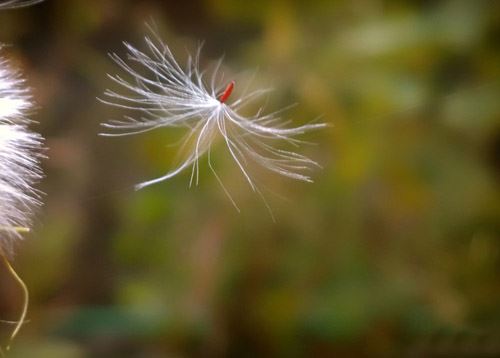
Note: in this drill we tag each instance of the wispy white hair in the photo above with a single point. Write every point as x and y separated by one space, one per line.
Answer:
20 152
15 99
165 94
13 4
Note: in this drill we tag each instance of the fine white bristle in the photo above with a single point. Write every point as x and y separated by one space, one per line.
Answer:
14 4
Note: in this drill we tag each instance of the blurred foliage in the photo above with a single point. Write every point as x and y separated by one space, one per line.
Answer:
394 250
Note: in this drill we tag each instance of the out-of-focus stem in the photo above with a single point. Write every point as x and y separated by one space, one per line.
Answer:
18 229
25 292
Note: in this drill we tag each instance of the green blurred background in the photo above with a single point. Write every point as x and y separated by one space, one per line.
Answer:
393 251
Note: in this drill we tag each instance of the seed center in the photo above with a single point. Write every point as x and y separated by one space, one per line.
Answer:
227 92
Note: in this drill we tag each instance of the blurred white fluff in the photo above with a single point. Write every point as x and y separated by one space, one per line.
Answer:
13 4
164 94
15 99
20 152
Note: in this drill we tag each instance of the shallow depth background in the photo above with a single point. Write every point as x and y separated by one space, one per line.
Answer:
394 250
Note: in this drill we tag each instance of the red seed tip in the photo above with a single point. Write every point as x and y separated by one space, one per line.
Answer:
227 92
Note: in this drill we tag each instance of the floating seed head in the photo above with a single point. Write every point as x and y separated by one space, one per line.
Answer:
162 93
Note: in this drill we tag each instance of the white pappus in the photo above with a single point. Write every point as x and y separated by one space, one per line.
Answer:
20 153
165 94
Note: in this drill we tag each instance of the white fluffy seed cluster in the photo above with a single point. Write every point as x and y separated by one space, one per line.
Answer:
165 94
20 154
